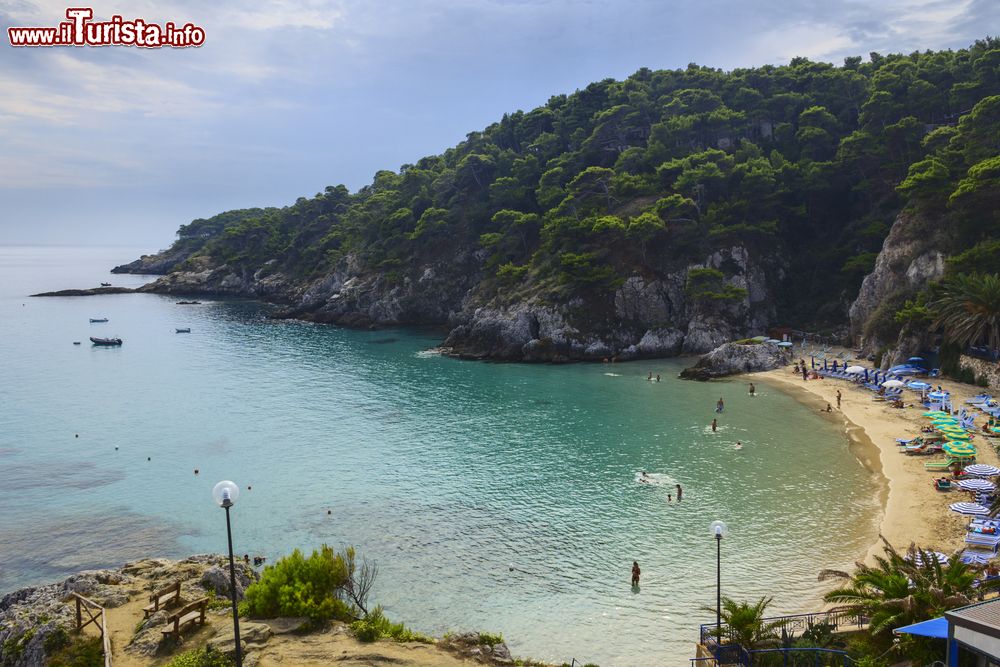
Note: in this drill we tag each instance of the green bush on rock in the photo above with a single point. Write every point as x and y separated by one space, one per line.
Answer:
201 657
327 585
376 626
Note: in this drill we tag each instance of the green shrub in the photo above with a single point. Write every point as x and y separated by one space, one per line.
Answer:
490 639
201 657
83 652
56 640
316 587
376 626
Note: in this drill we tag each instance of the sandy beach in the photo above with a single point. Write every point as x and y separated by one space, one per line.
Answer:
914 512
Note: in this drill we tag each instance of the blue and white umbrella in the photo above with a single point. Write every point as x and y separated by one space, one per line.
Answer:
918 385
970 508
977 485
938 395
918 559
786 343
982 470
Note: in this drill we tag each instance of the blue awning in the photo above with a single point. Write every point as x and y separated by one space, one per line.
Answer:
936 627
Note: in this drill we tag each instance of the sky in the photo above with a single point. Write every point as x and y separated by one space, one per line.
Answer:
121 145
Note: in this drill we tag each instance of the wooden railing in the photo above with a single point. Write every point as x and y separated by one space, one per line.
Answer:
95 614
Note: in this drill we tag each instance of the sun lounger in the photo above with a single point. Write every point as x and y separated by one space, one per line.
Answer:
988 541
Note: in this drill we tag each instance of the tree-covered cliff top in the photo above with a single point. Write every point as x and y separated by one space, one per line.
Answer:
805 165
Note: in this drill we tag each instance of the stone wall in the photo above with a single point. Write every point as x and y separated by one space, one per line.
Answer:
982 368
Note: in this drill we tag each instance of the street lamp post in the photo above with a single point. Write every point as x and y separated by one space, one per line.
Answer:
225 494
719 530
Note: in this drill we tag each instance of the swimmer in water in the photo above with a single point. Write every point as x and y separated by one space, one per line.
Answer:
715 425
739 445
650 376
635 573
753 390
657 377
720 406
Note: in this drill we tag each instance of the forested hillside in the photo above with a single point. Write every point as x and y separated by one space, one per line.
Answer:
752 197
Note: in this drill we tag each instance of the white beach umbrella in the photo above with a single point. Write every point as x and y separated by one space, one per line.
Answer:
970 508
982 470
855 369
892 384
977 485
936 555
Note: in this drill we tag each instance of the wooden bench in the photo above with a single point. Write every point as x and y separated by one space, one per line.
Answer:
192 612
163 599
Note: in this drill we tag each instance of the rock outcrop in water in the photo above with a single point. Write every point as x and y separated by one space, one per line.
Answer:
735 358
644 317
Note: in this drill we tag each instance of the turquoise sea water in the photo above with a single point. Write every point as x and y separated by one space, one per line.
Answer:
445 472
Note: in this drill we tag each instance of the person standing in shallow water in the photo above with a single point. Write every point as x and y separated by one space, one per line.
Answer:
838 399
680 492
720 406
753 390
635 573
715 425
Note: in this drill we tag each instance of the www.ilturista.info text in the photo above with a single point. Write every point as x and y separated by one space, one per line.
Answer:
80 30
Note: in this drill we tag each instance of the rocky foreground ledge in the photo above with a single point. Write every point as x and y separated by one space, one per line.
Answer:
36 623
735 358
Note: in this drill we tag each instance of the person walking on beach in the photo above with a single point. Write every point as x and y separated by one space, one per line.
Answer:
804 374
635 573
838 399
680 492
720 406
715 425
753 390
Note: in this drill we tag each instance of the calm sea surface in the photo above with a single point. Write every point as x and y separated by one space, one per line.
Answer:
445 472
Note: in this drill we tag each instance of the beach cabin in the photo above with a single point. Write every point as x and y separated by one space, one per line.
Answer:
975 629
971 631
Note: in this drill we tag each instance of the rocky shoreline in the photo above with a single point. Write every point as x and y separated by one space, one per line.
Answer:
38 621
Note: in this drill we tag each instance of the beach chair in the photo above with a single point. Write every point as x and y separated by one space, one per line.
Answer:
990 542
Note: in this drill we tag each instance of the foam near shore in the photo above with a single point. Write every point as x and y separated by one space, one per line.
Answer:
913 511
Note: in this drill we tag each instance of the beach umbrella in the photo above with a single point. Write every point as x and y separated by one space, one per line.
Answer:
936 413
892 384
919 386
963 438
938 395
970 508
953 446
918 558
982 470
944 421
759 339
855 369
915 359
977 484
786 343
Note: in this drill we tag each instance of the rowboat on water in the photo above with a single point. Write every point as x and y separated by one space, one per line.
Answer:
105 341
105 284
98 319
184 330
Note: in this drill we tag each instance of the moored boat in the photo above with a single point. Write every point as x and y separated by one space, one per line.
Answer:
98 319
184 330
188 303
105 341
105 284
